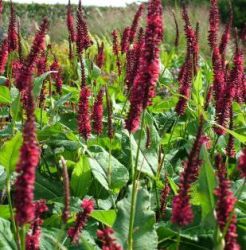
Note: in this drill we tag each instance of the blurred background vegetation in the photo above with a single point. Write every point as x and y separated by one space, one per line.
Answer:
103 20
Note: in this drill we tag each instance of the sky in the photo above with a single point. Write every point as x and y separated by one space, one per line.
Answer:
116 3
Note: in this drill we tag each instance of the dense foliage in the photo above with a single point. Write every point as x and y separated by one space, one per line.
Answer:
124 142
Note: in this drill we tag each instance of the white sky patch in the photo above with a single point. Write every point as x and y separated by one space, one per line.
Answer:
115 3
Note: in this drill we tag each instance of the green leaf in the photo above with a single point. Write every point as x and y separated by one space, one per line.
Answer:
47 189
9 152
7 241
38 83
81 178
2 177
207 184
50 239
4 212
5 97
105 217
144 236
100 169
15 107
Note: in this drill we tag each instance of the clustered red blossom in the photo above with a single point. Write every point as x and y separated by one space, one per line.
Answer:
83 39
191 60
33 237
70 23
133 56
55 66
242 163
16 67
143 89
12 30
225 206
228 85
41 64
230 92
182 213
97 113
84 113
213 24
26 167
225 39
108 242
100 60
185 84
116 50
125 40
135 23
81 220
30 152
3 55
27 68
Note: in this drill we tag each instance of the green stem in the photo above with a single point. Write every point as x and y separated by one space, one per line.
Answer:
109 164
41 118
134 190
178 241
23 238
15 230
132 161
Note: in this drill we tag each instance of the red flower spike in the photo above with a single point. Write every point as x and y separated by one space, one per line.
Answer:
185 85
55 66
135 23
182 213
108 242
97 113
70 23
190 65
225 39
33 237
3 55
83 39
81 220
213 24
41 64
28 66
231 89
225 206
143 89
242 163
116 49
84 114
125 40
12 30
133 58
100 60
26 167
